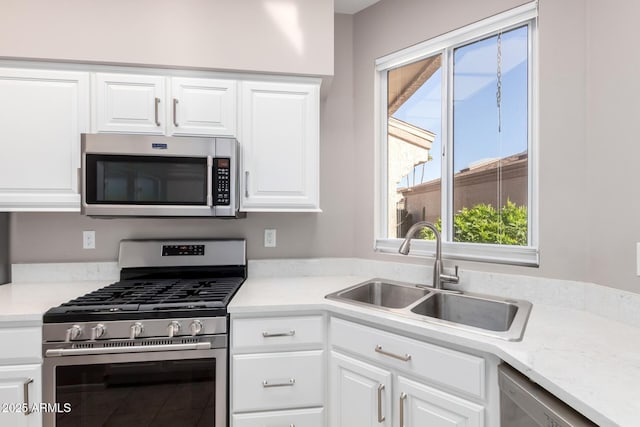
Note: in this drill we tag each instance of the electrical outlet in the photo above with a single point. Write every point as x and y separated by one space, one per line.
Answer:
270 238
89 239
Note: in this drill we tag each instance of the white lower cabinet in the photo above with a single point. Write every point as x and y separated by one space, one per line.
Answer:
271 380
299 418
278 371
381 379
20 391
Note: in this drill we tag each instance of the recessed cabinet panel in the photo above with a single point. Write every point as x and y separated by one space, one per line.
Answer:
361 394
203 107
20 389
421 405
42 114
313 417
277 380
129 103
280 146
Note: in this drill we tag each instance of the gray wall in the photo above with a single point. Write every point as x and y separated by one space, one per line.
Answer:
394 24
588 95
57 237
286 36
613 67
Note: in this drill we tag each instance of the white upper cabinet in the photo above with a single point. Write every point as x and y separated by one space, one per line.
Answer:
129 103
279 136
42 114
203 107
159 105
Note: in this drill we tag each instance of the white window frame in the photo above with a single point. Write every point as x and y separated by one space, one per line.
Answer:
445 44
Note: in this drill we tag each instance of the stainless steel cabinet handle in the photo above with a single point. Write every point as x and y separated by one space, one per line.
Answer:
157 118
404 358
380 416
291 382
403 397
279 334
25 389
246 184
175 112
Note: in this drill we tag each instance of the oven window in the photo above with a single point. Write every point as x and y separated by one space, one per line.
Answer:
163 393
146 180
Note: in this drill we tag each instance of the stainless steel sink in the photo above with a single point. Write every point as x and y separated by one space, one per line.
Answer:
483 314
381 294
468 310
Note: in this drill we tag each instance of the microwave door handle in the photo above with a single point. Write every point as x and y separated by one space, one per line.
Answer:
210 181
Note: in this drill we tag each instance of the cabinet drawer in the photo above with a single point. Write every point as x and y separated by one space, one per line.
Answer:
19 345
451 368
313 417
277 333
277 381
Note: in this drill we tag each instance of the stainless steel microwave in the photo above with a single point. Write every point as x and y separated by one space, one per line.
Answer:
140 175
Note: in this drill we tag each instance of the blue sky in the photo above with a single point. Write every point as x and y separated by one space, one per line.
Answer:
476 136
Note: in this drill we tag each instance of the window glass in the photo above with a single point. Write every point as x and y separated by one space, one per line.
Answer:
490 140
414 144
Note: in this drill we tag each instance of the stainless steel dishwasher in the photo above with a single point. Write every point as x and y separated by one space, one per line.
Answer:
526 404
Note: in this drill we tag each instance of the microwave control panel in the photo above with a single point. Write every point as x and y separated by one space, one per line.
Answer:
221 181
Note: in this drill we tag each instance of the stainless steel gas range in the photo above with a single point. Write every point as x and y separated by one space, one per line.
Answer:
151 349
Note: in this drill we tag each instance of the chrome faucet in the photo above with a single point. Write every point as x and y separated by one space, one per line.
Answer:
438 272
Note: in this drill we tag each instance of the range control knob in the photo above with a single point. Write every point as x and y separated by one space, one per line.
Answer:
196 327
173 328
98 331
73 333
136 330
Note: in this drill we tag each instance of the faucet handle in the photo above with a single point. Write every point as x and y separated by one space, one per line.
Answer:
451 278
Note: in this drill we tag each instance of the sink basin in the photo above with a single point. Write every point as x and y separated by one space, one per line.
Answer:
379 293
483 314
467 310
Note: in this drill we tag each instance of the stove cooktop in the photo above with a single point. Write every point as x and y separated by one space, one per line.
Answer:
149 299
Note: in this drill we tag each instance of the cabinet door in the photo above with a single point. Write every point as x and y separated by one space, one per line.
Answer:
129 103
420 405
360 393
203 107
279 139
20 388
42 114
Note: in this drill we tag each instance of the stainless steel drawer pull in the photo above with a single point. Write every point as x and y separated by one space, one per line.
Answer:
404 358
279 334
289 383
175 112
380 416
25 389
157 118
403 397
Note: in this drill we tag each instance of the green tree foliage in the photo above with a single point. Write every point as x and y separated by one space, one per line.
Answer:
482 223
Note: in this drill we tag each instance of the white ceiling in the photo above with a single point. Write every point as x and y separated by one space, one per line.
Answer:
352 6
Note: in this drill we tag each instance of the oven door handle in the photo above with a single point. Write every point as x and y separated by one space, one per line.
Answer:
57 352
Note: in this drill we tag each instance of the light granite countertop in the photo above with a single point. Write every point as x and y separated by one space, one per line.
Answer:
582 341
25 303
590 362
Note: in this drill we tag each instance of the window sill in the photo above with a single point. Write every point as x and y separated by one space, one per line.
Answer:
498 254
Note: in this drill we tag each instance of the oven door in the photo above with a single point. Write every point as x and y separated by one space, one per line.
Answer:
184 388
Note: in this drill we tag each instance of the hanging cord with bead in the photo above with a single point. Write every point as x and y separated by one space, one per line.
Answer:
499 105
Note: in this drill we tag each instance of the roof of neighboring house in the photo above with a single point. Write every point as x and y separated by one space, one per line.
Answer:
410 133
514 165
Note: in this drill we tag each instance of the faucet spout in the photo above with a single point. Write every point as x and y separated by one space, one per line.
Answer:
438 276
